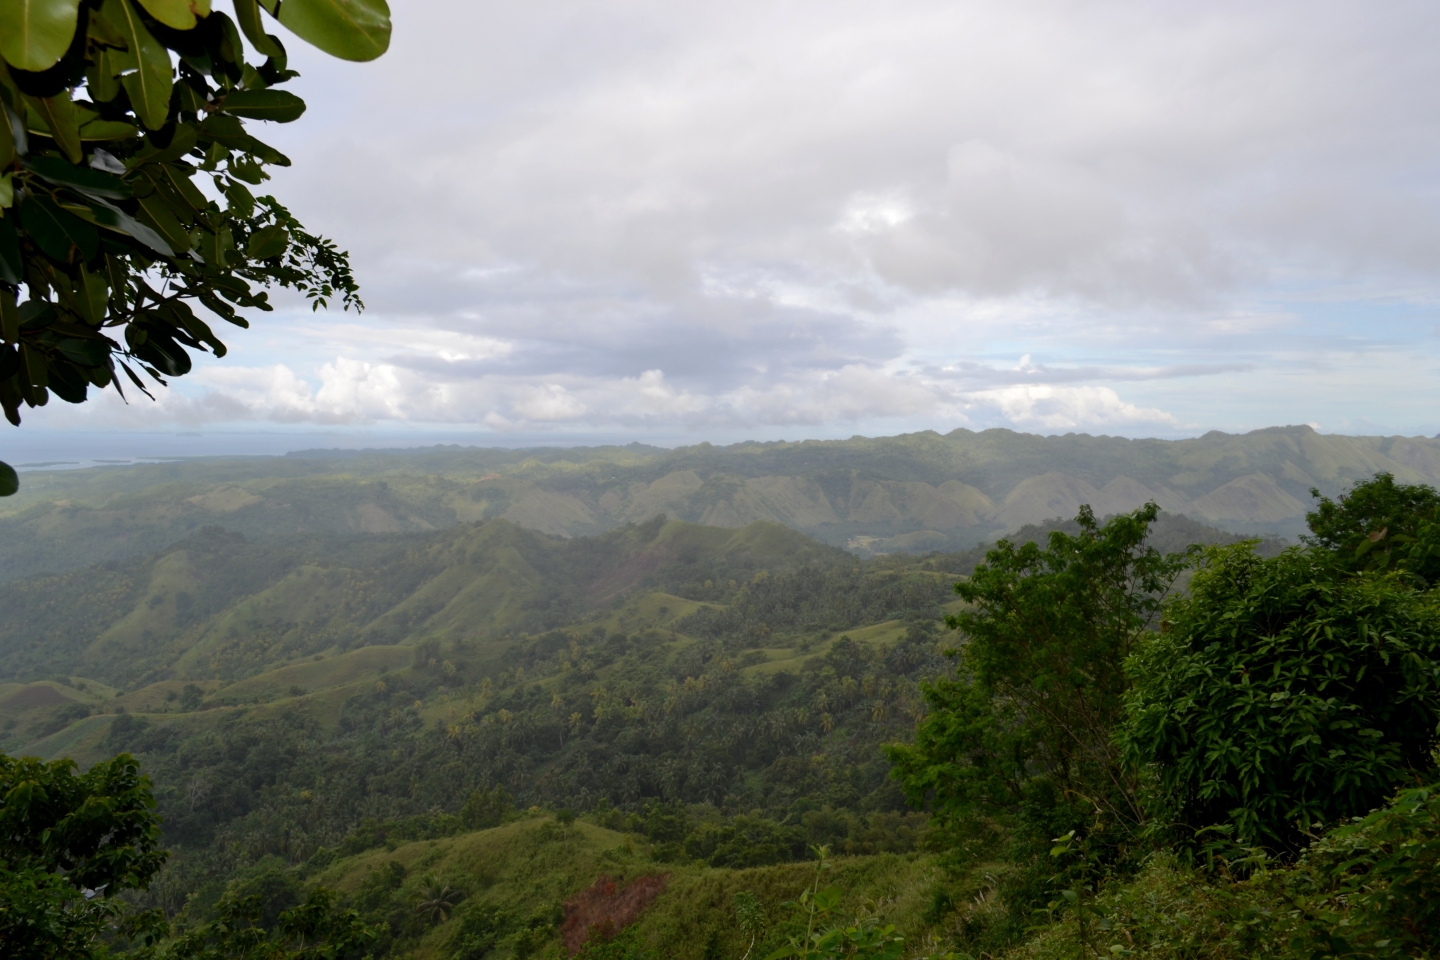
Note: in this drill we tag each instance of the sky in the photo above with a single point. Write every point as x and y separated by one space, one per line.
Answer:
618 220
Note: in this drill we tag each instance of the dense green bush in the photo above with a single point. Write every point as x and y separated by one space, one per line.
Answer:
1044 643
1287 693
69 842
1369 890
1381 525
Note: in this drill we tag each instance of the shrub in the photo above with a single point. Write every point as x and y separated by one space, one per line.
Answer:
1287 694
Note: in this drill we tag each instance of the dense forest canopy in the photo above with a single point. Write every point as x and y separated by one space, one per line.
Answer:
370 738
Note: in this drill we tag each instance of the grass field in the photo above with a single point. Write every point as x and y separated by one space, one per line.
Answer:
528 869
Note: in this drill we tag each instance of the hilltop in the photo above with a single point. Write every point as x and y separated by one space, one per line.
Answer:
916 492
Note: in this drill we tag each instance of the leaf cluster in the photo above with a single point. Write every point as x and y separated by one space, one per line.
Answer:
1381 525
1288 693
69 842
126 214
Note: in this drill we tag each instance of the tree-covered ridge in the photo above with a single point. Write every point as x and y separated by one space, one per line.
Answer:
912 493
728 750
219 606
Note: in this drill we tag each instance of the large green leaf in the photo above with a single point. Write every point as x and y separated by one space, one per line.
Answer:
61 122
9 480
150 81
348 29
179 14
67 383
121 222
159 215
87 353
56 231
268 242
108 130
7 142
248 13
182 141
94 183
34 34
12 269
163 353
280 106
102 76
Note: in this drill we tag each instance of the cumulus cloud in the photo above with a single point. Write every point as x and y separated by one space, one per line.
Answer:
642 215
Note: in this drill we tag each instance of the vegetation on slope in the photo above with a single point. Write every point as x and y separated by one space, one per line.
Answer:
912 493
1071 748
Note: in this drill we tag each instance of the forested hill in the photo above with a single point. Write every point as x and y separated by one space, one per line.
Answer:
318 697
915 493
217 606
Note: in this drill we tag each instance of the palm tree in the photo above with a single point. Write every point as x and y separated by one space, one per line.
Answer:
436 899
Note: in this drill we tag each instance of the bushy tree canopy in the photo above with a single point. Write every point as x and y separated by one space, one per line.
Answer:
68 843
1381 525
1045 637
1293 691
127 219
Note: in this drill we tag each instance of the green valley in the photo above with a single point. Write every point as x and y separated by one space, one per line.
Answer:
488 741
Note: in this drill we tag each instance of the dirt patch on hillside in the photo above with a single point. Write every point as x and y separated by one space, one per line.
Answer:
606 908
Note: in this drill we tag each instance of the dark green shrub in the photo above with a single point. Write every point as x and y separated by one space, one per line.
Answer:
1381 525
1286 694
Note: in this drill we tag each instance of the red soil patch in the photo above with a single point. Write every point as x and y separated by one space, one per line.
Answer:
606 908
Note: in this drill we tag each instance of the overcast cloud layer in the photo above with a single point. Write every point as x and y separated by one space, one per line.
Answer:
817 218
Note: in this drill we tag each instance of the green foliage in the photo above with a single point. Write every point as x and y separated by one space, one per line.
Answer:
1045 639
814 599
826 935
437 899
1374 884
74 518
1286 694
486 808
70 842
368 590
1381 525
317 929
1366 890
102 225
750 919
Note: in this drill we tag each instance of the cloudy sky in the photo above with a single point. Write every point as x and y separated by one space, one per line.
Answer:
681 221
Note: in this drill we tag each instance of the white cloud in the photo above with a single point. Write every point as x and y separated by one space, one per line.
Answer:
1050 408
642 215
544 402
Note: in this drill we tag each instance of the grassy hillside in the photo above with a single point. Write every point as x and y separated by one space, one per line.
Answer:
914 493
528 869
219 606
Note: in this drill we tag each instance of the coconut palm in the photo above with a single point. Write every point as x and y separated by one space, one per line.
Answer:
436 899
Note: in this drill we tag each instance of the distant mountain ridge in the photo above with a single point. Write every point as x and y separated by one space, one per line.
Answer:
912 492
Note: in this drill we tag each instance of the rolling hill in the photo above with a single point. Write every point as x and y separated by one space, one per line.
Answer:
920 491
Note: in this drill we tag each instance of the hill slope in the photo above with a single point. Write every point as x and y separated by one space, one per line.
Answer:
914 492
219 606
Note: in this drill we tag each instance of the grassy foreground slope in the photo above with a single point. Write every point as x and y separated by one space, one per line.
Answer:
521 874
915 492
